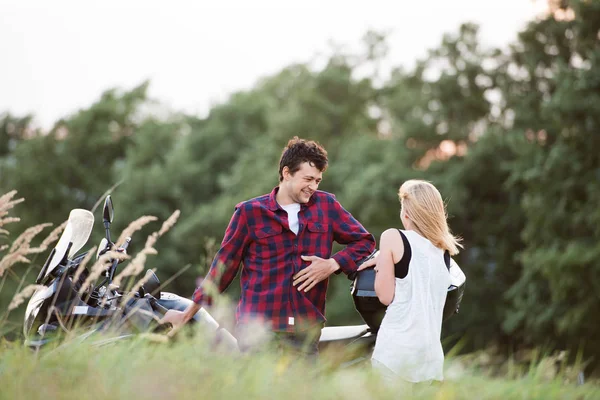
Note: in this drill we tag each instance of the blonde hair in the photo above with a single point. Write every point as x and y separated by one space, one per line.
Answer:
423 205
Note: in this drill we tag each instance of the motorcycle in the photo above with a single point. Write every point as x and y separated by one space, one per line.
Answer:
62 301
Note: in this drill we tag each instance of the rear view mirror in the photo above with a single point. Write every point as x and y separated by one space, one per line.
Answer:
109 212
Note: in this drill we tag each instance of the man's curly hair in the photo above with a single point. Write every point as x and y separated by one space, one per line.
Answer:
299 151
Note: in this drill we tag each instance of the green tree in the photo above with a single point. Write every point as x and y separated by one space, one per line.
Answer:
554 298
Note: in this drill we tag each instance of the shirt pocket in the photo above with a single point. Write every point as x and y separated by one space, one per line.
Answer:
316 227
268 241
317 240
267 231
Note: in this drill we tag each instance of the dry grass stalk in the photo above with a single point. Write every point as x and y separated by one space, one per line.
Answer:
137 287
151 241
83 263
134 227
20 248
100 266
57 314
51 238
23 242
23 295
6 203
11 259
166 226
169 223
136 266
7 221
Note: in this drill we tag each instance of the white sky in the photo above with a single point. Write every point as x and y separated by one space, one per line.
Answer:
57 56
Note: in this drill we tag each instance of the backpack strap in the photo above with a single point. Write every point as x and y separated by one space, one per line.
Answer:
447 259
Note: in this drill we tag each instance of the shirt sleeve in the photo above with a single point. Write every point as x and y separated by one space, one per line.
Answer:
227 261
347 230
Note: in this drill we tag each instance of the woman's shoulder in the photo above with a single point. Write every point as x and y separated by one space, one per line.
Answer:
390 238
391 241
391 233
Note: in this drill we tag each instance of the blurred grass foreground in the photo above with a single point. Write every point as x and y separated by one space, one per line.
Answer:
188 368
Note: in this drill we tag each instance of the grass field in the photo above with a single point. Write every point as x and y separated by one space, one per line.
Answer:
188 367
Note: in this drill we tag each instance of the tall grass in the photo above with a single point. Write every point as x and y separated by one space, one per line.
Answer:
190 365
189 368
18 252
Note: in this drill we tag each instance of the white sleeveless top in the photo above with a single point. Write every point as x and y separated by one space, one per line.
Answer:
409 340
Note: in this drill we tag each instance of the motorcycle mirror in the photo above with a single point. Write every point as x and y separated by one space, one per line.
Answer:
109 212
101 248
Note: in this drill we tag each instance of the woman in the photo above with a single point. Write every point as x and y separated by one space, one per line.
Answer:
412 280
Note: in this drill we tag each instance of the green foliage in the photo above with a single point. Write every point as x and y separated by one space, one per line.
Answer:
560 172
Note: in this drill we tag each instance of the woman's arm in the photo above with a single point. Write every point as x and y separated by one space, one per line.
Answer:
391 248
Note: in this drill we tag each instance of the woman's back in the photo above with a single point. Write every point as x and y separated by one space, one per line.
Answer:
408 341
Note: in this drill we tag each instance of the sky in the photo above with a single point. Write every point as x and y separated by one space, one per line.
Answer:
59 56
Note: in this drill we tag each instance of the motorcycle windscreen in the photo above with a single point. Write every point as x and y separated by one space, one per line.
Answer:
78 230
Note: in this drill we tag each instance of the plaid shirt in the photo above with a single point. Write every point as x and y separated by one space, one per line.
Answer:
259 237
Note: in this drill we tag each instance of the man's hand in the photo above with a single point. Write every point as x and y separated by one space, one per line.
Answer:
179 318
369 263
318 270
175 318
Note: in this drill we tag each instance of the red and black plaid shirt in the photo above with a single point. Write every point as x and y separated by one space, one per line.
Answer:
259 237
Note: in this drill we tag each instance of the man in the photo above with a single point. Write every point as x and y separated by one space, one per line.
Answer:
284 241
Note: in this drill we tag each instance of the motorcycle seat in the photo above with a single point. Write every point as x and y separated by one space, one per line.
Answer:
333 333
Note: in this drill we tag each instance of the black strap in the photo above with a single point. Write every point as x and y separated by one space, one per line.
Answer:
447 259
401 267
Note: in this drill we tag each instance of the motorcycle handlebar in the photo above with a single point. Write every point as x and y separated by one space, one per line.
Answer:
125 245
159 307
113 268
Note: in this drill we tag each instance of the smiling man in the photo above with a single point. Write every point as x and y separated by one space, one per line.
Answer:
284 241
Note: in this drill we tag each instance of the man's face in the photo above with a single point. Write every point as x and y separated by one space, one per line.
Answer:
302 184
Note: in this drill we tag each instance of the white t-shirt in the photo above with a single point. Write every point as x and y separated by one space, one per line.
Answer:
292 211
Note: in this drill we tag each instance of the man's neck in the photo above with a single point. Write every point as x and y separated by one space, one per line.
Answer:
282 198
